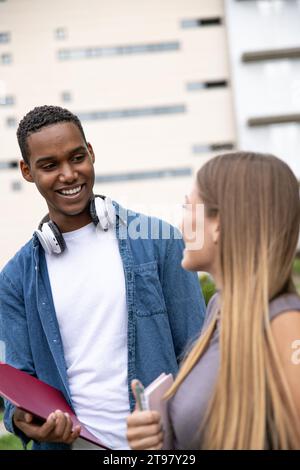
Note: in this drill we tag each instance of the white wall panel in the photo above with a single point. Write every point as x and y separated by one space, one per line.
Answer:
266 88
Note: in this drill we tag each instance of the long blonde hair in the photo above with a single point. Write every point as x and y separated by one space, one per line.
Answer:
256 197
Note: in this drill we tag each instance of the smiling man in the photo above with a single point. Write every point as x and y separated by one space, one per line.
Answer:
82 307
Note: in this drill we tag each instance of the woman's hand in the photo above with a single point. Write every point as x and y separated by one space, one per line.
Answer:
144 430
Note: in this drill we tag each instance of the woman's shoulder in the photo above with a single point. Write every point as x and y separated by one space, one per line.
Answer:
212 307
284 303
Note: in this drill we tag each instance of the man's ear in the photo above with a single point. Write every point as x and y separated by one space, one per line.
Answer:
91 152
26 173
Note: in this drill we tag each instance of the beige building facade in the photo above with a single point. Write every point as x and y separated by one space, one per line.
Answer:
150 80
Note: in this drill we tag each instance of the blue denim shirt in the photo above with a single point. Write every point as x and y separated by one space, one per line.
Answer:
165 310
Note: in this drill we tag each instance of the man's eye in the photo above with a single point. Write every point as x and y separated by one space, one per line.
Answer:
49 166
78 158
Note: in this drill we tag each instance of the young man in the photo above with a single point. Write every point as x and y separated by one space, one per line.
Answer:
84 305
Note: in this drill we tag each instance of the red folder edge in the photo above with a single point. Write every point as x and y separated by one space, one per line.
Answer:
36 397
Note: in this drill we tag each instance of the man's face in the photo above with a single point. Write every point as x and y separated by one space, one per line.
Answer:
62 168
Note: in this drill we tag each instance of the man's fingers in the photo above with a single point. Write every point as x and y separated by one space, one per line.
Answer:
60 425
22 416
57 428
34 431
26 423
74 435
42 432
28 418
68 429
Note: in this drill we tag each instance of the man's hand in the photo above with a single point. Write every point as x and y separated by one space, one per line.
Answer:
57 428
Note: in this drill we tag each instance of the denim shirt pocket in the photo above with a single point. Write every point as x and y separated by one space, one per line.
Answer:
149 298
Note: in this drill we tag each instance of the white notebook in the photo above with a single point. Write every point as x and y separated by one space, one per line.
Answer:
152 399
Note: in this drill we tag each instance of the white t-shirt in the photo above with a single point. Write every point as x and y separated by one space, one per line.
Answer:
89 294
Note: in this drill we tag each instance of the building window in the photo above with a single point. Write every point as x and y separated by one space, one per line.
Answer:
198 23
132 113
7 100
213 147
60 33
5 58
196 86
11 122
9 164
66 96
92 52
4 37
16 186
144 175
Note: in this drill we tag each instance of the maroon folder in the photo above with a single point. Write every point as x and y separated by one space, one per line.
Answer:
37 397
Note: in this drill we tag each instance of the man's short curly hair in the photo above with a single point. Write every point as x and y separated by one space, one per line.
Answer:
39 117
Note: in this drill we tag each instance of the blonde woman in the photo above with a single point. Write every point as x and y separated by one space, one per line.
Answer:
238 387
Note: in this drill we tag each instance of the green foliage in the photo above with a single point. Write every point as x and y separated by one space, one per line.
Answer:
297 266
10 442
296 273
208 286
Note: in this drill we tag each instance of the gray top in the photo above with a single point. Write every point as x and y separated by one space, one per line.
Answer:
188 406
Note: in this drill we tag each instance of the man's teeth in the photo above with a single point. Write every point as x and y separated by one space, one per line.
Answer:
68 192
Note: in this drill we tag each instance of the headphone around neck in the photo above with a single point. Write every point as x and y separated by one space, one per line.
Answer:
102 213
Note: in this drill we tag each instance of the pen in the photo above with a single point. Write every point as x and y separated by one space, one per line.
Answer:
140 398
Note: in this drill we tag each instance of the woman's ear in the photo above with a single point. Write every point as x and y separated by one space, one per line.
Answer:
26 173
216 230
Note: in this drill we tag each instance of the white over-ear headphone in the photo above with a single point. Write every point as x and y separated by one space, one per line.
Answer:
102 213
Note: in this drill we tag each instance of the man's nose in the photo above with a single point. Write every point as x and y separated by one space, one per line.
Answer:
68 174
